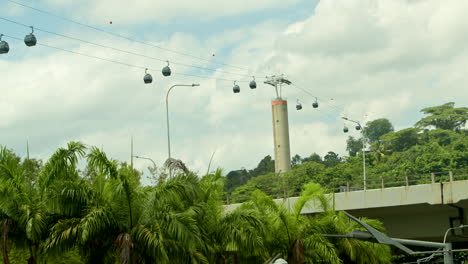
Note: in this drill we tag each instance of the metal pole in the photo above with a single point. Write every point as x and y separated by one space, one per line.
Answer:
363 150
167 119
364 162
448 255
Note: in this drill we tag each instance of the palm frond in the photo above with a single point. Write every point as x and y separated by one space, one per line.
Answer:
97 221
98 159
64 235
311 192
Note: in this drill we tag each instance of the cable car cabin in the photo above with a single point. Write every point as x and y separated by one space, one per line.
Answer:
253 85
166 71
148 78
345 129
358 127
315 105
4 47
236 89
298 106
30 40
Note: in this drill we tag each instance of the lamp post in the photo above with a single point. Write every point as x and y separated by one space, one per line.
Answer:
139 157
146 158
359 127
453 228
167 118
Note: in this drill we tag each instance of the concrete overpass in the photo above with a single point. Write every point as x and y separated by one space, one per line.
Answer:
422 212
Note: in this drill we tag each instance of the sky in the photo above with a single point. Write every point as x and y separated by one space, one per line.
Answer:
363 59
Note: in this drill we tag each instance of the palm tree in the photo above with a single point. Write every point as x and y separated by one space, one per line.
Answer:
298 237
229 237
291 233
116 219
22 209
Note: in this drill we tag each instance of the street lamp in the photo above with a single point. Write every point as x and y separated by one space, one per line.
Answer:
167 118
139 157
453 228
359 127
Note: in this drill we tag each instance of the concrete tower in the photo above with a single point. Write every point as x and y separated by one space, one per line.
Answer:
279 109
281 135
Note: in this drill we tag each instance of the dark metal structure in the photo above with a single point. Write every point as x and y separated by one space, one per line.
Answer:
252 83
166 71
30 40
4 47
373 235
298 105
315 104
148 78
236 88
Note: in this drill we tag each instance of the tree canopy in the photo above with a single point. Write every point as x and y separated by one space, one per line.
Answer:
56 213
444 116
377 128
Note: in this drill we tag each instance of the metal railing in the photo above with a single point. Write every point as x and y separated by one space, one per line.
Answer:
372 183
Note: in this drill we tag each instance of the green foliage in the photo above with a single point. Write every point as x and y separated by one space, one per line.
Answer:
240 177
298 238
377 128
313 157
401 140
331 159
57 214
54 213
296 160
445 116
353 146
393 155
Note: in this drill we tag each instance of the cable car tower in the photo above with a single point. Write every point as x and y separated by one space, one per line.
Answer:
280 125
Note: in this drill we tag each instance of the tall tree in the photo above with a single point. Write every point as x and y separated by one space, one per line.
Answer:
377 128
444 116
266 165
331 159
296 160
313 157
353 146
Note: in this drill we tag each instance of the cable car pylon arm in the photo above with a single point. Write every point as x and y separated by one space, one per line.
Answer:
275 81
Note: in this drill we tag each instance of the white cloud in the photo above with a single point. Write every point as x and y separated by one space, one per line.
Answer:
161 11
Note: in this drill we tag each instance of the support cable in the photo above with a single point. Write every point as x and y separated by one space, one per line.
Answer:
129 38
126 51
123 63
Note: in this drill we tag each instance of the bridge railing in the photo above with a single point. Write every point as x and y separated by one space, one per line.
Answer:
407 180
371 183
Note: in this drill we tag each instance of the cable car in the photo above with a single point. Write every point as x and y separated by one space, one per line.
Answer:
358 127
166 71
236 88
298 105
345 129
30 40
4 47
253 84
148 78
315 104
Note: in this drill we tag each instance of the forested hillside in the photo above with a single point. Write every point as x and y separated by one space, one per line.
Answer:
437 144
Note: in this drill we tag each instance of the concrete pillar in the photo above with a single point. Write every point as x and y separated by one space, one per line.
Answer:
281 135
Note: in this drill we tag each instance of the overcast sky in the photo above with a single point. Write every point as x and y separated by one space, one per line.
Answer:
364 59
